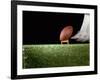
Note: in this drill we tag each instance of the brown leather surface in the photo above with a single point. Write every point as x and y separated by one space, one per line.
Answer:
66 33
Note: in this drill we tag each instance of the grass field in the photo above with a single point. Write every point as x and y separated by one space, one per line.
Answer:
55 55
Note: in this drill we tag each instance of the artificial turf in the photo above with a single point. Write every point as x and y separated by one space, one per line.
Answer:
55 55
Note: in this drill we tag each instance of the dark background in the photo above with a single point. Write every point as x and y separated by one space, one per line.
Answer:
45 27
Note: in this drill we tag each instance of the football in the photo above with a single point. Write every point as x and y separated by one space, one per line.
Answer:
66 33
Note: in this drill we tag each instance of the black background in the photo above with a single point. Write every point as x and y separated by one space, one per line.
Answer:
45 27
